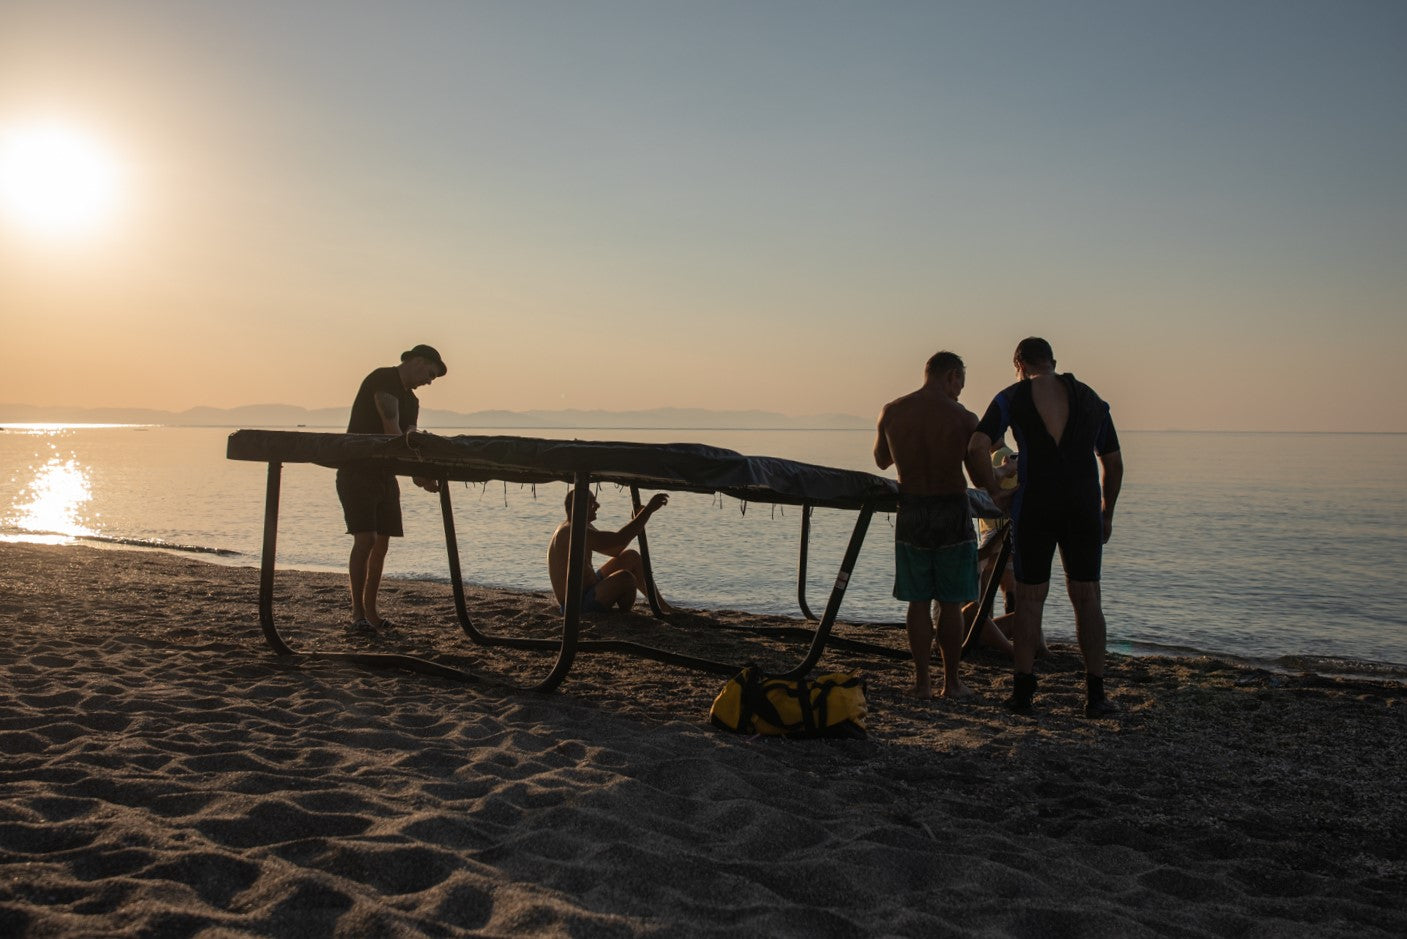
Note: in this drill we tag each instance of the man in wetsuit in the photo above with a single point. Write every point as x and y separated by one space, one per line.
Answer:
1060 425
925 435
371 499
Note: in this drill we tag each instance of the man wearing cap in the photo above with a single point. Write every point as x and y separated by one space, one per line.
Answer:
371 499
1061 426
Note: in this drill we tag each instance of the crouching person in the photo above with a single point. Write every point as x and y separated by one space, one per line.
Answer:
618 581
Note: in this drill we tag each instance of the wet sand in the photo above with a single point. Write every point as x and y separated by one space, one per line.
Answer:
166 775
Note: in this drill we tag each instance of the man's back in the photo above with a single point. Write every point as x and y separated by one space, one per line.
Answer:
557 550
927 434
1051 398
1059 424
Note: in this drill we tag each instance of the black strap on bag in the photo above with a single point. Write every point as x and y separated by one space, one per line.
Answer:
756 690
803 696
755 701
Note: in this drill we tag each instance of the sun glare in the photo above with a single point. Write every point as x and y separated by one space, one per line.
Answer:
56 497
56 180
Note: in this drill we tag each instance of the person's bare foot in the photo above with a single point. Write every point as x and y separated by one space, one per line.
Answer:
957 691
922 692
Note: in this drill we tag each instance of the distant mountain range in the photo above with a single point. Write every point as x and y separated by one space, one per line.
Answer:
286 415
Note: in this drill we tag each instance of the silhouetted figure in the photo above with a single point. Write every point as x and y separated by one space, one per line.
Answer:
1060 425
925 435
371 499
618 581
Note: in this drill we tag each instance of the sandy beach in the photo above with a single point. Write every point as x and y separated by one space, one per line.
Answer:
166 775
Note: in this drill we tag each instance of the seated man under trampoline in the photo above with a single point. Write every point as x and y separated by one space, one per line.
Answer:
618 581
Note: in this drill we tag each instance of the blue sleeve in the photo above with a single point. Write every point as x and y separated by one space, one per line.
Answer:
998 417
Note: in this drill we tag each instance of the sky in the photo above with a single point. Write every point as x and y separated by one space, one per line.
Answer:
777 205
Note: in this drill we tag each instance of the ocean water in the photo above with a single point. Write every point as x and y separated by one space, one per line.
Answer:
1279 548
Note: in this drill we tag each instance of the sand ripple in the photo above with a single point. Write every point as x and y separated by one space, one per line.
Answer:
165 775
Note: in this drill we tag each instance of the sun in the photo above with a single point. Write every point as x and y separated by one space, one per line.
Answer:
56 180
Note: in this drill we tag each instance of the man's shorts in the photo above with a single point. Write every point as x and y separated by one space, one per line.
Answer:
935 550
1077 529
589 603
948 575
370 502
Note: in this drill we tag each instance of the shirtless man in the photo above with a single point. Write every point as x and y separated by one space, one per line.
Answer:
925 435
1060 426
621 578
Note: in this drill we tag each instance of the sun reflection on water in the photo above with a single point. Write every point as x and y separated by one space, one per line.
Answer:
49 507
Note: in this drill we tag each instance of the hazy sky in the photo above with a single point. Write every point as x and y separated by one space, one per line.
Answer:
774 205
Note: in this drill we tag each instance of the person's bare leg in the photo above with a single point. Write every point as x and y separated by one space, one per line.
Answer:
375 563
950 633
1009 590
631 561
1091 631
995 637
1089 623
995 632
919 621
616 588
362 543
1026 634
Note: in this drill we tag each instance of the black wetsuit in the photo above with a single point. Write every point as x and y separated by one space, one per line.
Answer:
371 499
1059 501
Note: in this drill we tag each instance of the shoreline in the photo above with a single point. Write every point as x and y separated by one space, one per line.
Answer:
1286 664
167 774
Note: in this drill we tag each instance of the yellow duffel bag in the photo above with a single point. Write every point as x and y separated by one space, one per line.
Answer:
830 705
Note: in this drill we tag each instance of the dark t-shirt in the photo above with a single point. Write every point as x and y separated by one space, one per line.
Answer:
1046 468
366 419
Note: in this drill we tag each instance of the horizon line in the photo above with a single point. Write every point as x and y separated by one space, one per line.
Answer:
98 425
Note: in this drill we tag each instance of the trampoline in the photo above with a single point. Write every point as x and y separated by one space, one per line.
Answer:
683 467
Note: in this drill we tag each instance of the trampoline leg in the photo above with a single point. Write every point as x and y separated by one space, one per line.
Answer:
645 556
456 577
266 561
842 580
989 593
801 564
577 556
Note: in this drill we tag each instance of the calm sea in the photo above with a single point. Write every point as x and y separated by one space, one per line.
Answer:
1281 548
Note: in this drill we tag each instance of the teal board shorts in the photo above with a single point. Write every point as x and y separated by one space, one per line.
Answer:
948 575
935 550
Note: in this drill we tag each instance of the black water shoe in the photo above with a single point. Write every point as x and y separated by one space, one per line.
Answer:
1102 707
1023 693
